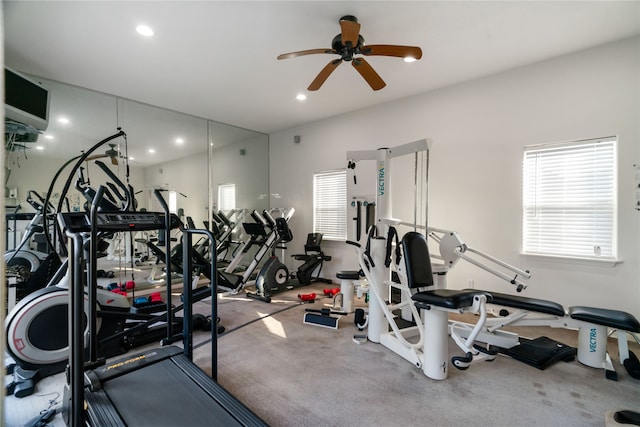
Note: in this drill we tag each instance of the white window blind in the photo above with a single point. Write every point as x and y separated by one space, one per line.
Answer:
330 204
569 199
226 197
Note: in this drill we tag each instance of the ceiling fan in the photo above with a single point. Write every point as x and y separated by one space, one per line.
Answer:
349 43
111 153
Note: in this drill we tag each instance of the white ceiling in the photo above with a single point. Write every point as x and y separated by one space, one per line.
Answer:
217 59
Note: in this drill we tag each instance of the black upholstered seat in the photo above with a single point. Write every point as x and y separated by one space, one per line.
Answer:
601 316
447 298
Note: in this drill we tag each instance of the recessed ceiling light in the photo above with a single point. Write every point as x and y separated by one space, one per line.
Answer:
49 136
131 158
179 141
301 97
39 147
409 59
151 150
144 30
63 120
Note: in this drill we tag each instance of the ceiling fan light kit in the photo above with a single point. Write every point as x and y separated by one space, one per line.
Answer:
349 43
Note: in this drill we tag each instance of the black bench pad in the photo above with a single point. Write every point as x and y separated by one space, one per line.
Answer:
601 316
348 274
448 298
526 303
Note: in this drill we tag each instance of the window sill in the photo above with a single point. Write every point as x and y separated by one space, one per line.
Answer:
607 262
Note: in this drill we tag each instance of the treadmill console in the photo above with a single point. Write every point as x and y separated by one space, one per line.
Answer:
78 222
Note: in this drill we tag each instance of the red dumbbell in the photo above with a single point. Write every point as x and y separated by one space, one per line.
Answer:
307 297
332 292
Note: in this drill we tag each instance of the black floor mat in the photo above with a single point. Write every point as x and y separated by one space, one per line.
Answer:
541 352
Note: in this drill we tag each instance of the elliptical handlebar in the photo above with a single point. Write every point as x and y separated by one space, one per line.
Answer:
38 203
128 195
269 219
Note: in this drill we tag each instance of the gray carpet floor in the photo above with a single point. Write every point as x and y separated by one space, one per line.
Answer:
294 374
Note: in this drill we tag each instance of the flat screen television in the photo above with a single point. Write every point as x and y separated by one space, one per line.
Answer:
25 100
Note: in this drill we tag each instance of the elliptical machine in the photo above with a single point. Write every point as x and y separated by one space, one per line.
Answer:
37 336
22 255
273 277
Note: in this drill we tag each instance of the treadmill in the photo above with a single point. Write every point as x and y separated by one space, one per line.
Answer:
157 387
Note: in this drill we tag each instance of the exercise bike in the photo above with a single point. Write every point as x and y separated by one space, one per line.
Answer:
273 277
313 258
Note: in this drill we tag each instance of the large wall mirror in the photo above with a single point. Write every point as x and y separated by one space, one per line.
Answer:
204 165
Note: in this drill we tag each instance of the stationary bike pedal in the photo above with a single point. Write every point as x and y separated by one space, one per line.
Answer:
8 369
9 388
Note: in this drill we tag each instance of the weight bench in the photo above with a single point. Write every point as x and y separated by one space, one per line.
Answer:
592 324
434 306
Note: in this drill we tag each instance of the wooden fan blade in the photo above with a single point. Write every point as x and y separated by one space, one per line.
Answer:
97 156
324 74
392 50
368 73
350 32
305 52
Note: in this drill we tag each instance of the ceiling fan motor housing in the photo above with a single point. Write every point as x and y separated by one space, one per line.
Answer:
345 52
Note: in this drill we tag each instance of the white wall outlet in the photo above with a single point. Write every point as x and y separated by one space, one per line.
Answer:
13 193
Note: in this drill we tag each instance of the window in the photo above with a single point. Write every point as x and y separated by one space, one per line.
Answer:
226 197
173 201
330 204
569 199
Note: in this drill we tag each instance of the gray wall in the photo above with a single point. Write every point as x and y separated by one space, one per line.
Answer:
36 173
189 176
479 130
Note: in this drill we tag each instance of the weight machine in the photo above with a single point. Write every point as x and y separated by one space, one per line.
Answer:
425 344
377 325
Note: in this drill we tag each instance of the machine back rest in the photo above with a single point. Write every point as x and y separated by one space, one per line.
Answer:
284 232
313 242
224 218
190 223
254 229
417 260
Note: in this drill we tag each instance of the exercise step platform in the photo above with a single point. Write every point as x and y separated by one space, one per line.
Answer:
148 307
540 352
